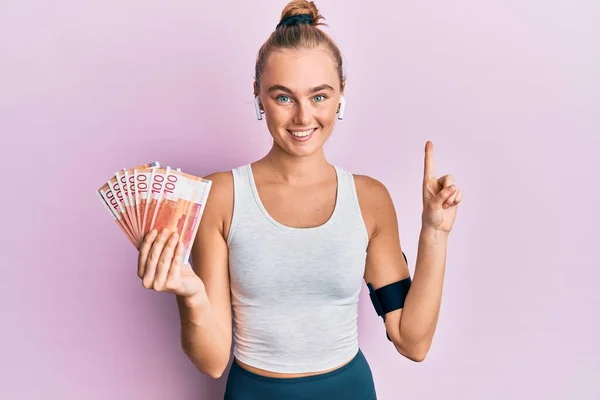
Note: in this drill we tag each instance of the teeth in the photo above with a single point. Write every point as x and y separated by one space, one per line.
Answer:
302 133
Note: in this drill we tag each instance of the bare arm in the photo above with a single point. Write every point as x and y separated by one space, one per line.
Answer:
422 305
411 328
206 319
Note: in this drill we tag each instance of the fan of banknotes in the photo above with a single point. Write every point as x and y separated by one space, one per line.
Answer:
150 197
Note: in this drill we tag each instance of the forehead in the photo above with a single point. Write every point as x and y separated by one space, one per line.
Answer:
299 69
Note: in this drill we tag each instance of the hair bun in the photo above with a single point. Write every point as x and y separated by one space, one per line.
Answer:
300 12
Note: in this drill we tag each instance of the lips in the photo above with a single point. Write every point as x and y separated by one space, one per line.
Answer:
302 135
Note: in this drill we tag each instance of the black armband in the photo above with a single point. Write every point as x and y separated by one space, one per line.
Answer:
390 297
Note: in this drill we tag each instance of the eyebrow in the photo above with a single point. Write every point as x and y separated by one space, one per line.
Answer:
311 90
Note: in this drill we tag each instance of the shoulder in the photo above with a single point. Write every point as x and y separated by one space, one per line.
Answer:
375 202
221 181
219 205
370 189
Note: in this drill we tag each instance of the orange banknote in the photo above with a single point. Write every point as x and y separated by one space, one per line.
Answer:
150 197
117 195
127 182
157 184
195 211
108 198
142 177
180 207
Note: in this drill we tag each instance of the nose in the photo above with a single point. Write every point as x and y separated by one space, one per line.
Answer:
301 114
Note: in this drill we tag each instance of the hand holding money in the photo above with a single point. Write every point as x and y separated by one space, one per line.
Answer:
149 203
150 197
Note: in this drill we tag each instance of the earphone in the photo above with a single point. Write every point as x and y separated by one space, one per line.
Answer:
342 108
257 108
340 112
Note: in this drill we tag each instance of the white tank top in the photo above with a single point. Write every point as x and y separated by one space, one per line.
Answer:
295 291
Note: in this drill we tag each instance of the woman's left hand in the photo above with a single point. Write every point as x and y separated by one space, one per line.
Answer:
440 197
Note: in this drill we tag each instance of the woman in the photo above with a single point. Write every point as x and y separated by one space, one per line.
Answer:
285 242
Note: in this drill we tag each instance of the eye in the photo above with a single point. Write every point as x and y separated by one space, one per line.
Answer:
320 98
285 98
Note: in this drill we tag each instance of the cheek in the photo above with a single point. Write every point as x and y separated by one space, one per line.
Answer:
277 117
326 117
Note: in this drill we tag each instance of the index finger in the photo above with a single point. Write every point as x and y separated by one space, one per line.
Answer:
428 159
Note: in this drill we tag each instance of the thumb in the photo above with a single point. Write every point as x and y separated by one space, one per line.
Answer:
443 195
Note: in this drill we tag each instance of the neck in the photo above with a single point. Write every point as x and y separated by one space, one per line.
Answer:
284 167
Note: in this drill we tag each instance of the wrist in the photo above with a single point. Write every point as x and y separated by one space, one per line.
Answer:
196 300
434 234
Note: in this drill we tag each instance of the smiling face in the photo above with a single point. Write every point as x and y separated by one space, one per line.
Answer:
300 94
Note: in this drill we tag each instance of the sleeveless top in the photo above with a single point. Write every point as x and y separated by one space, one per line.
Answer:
295 291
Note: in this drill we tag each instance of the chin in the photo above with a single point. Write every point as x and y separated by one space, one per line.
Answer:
303 152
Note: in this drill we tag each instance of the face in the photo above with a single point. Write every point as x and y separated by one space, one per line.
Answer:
300 93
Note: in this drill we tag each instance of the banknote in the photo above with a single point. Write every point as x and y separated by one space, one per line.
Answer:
128 185
116 196
170 212
194 214
127 179
179 207
149 196
110 203
162 186
142 178
126 201
157 185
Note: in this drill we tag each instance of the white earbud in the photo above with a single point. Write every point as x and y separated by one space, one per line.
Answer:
342 107
257 108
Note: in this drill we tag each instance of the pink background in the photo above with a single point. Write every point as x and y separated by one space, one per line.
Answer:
509 93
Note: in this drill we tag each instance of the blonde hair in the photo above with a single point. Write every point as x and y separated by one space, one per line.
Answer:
299 36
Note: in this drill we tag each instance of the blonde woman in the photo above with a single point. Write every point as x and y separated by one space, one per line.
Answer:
286 242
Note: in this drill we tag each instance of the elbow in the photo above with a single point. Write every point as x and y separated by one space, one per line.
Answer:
215 374
211 371
416 357
415 353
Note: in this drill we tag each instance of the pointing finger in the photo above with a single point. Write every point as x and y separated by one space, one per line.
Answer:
429 160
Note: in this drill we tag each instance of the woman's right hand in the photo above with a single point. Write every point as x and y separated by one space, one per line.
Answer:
161 268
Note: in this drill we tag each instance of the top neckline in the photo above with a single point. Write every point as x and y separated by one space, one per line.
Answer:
293 228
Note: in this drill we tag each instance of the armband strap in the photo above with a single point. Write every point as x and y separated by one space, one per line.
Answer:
390 297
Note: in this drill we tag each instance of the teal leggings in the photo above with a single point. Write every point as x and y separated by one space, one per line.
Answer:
352 381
